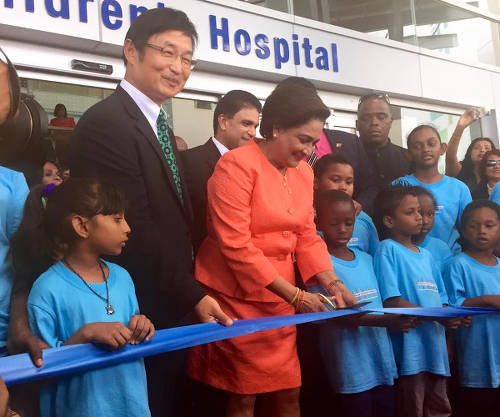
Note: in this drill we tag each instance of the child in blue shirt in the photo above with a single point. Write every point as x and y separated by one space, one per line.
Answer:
452 195
495 193
359 360
473 279
84 299
408 277
439 250
335 172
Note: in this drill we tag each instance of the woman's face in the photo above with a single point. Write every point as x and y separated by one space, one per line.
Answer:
296 143
478 151
61 112
492 170
50 174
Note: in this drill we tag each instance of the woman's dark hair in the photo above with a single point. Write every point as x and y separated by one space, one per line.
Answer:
419 128
296 81
483 166
466 215
334 196
386 203
321 166
58 107
424 191
467 164
159 20
232 102
291 106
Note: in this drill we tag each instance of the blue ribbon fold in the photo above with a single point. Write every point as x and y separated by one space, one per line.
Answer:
18 369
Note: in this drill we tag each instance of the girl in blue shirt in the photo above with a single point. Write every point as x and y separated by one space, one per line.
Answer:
409 278
84 299
473 280
335 172
439 250
359 361
452 195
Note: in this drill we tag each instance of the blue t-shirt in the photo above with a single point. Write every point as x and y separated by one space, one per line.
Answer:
59 304
478 346
495 193
452 196
439 250
364 236
13 193
416 278
357 358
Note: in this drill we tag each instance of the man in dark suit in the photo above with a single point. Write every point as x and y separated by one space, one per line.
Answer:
125 140
236 117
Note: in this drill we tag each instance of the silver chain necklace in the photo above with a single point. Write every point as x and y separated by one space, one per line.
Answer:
109 308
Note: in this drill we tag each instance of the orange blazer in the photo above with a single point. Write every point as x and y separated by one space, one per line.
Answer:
257 221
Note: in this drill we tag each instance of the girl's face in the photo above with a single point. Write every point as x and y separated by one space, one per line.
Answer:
336 177
296 143
492 170
478 151
336 221
50 174
108 234
427 211
482 231
406 219
425 148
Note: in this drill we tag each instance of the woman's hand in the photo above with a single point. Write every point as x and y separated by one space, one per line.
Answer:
141 328
467 118
310 303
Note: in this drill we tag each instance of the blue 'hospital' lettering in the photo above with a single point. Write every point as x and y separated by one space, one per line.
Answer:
323 59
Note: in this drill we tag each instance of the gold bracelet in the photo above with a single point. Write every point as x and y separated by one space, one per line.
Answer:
300 301
295 297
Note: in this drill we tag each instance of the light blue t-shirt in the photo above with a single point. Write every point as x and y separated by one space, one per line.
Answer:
357 358
478 346
13 193
452 196
364 236
495 193
439 250
59 304
416 278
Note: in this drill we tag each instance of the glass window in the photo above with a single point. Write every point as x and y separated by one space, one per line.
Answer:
280 5
456 32
385 19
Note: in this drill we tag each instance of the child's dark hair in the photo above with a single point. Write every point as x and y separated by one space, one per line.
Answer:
466 215
386 203
325 161
419 128
424 191
333 196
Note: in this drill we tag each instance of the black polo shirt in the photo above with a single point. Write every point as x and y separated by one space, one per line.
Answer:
388 162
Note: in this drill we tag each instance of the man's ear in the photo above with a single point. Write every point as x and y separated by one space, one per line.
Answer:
442 151
80 226
130 51
388 222
222 121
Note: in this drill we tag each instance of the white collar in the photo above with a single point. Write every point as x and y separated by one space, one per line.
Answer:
148 107
222 149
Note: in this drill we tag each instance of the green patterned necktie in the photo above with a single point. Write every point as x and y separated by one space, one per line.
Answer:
168 151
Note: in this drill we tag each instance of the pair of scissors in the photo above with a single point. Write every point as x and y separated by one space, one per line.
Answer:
356 306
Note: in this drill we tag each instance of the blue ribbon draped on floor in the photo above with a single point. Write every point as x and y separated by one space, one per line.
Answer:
19 369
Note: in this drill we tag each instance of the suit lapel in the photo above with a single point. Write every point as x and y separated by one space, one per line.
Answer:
213 154
146 131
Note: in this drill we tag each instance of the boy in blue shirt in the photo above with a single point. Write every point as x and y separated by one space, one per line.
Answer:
452 195
335 172
408 277
359 360
473 279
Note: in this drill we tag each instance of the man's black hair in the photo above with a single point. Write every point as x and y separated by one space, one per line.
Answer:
232 103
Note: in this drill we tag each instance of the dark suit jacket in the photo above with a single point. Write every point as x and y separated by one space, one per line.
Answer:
113 141
199 165
365 187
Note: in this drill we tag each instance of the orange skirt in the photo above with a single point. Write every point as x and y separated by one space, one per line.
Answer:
252 364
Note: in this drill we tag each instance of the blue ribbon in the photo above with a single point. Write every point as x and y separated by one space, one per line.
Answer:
18 369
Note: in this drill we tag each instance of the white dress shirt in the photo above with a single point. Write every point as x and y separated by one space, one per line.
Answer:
222 149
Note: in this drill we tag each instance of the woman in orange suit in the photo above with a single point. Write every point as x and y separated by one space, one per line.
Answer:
260 217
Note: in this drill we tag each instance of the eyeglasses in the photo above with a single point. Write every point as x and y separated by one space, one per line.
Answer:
380 96
492 163
170 56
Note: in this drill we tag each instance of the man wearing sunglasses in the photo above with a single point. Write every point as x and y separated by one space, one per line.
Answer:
388 161
126 140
